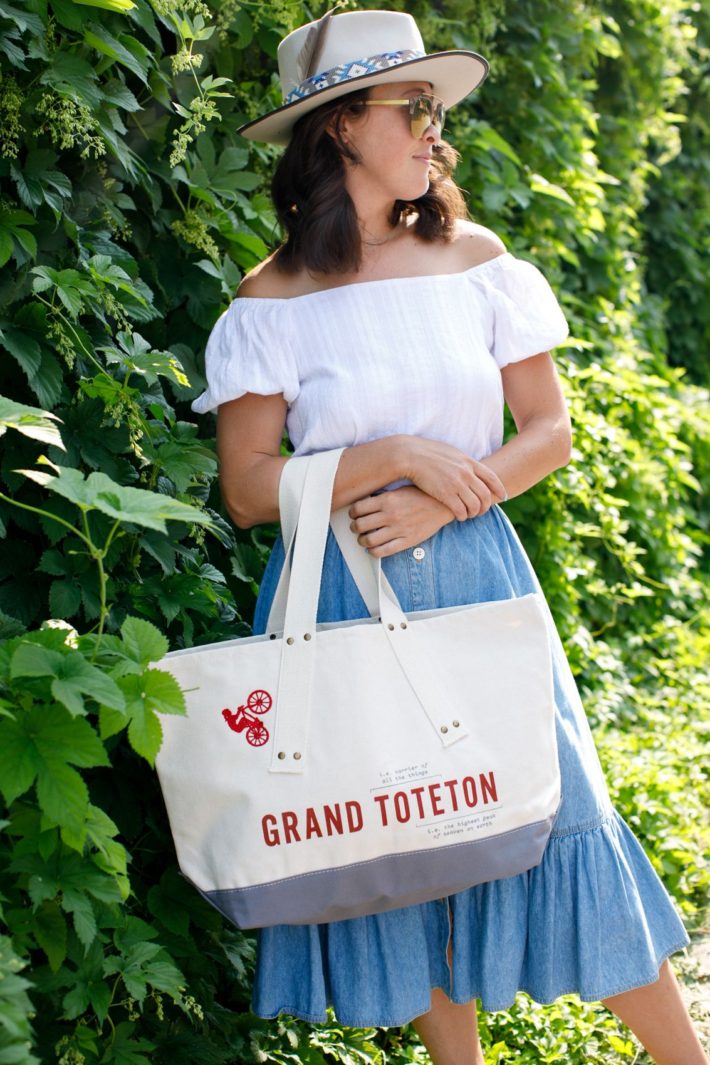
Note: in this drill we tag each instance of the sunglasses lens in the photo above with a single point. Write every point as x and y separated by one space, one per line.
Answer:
425 111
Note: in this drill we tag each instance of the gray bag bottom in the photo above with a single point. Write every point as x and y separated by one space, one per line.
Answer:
382 884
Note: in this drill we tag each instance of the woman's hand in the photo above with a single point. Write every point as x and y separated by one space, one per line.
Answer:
392 521
465 486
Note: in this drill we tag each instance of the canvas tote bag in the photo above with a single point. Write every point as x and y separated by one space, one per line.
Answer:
328 771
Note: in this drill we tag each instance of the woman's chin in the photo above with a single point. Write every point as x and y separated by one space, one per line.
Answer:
415 191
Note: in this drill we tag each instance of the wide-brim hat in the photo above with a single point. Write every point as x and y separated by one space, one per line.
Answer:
338 54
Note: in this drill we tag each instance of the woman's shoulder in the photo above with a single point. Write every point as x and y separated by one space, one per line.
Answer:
474 244
471 245
268 281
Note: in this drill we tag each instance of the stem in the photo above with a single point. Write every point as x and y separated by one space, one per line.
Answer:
92 358
183 208
60 314
47 514
99 556
135 122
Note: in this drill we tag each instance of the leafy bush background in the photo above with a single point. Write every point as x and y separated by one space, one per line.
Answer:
129 209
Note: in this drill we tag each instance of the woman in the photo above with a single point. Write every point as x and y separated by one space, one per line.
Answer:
389 324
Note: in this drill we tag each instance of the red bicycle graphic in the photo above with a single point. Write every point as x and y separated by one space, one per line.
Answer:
241 720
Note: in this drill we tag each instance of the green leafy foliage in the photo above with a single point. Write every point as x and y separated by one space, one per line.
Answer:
130 210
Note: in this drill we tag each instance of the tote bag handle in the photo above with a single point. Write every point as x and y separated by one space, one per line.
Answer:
364 568
298 645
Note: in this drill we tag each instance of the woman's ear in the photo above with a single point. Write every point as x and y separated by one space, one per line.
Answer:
337 127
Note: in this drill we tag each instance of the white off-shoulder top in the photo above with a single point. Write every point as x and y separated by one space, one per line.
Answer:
419 355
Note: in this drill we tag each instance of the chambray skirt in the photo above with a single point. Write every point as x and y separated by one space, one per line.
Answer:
592 918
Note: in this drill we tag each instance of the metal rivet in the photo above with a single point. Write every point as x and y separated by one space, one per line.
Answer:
456 724
403 624
289 639
390 626
444 728
282 755
306 636
272 636
297 755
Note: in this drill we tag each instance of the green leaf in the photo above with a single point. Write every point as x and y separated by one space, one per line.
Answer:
133 933
10 626
6 245
79 678
135 505
89 988
186 461
73 677
163 974
30 421
76 1000
79 905
64 599
145 733
100 998
57 736
63 796
72 76
24 20
50 931
123 1050
143 642
96 36
19 760
148 694
38 183
24 349
42 744
540 184
143 963
16 1007
32 659
138 357
47 382
120 6
488 138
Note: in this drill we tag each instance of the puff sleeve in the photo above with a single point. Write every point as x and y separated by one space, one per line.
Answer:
526 317
248 351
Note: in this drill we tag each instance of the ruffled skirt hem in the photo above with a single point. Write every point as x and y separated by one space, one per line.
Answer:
321 1018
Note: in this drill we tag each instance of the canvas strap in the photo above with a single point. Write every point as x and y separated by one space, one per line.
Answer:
364 568
313 477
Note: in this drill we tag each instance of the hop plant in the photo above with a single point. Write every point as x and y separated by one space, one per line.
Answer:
193 230
70 125
11 129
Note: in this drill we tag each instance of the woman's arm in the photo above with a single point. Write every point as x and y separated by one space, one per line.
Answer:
249 433
543 443
404 517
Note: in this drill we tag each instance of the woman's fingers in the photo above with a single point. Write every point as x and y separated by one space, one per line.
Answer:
389 548
367 505
368 523
491 479
377 537
473 502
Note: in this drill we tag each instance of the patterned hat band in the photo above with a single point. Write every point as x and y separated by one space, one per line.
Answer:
348 71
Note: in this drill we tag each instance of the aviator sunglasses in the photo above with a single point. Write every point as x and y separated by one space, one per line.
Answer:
424 111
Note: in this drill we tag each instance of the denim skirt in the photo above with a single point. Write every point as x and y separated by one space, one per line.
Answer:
592 918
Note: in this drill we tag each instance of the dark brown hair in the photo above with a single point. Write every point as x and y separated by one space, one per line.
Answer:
315 210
